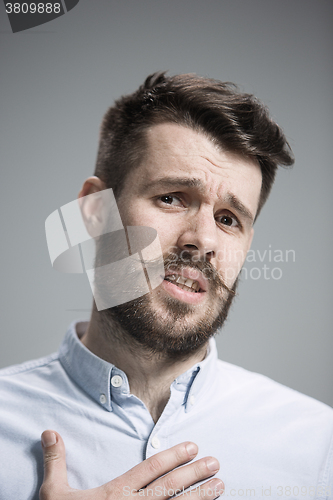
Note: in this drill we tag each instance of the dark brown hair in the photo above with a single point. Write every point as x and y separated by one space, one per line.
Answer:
235 121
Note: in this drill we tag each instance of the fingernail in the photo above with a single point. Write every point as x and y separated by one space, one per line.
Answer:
212 464
48 439
192 449
219 488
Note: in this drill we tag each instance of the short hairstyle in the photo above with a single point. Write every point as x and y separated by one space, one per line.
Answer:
235 121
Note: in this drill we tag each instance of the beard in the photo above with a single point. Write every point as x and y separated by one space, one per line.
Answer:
173 334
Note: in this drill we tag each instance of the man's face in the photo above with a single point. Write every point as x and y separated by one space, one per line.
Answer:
202 202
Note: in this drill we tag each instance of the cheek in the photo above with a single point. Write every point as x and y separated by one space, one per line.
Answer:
229 261
140 215
133 214
168 237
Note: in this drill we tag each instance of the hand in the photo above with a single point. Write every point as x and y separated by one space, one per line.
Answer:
55 485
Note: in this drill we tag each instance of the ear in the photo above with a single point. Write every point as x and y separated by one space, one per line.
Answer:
92 185
91 206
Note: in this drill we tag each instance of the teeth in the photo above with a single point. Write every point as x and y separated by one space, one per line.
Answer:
187 288
184 283
172 277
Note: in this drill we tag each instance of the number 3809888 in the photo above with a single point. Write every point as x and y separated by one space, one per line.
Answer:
33 8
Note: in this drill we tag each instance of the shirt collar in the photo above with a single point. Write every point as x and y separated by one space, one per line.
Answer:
93 374
90 372
198 379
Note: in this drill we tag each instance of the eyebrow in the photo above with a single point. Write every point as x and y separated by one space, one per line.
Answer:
174 182
169 182
235 203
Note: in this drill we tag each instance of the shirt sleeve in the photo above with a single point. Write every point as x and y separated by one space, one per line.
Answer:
325 483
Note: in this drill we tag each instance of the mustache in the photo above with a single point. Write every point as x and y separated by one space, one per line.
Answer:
177 261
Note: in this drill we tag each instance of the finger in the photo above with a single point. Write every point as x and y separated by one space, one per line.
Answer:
207 491
158 465
184 477
55 472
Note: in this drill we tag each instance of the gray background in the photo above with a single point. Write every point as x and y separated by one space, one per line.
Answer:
58 79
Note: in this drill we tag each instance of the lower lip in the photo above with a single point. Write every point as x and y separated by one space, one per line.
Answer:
179 293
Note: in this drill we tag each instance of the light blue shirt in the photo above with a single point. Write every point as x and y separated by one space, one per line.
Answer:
271 441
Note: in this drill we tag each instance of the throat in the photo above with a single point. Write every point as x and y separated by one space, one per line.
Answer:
155 400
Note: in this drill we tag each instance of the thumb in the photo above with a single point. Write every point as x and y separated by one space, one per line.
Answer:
55 473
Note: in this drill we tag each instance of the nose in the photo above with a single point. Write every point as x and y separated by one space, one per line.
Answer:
199 235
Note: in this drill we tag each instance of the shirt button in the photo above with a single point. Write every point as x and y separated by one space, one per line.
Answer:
116 381
102 399
192 400
155 442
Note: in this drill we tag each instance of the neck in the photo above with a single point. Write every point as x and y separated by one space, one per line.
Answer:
149 374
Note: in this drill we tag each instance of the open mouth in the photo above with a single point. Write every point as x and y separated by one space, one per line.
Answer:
186 284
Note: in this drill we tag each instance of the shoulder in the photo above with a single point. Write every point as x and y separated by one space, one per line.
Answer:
32 377
297 427
28 366
254 390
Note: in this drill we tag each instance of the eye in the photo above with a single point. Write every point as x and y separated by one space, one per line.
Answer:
170 199
228 220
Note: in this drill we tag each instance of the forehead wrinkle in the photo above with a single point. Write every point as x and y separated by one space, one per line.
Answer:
232 199
210 161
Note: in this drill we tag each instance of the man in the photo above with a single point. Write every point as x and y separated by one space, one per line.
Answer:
195 160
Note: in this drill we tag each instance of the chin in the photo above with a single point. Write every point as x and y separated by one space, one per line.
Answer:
176 329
